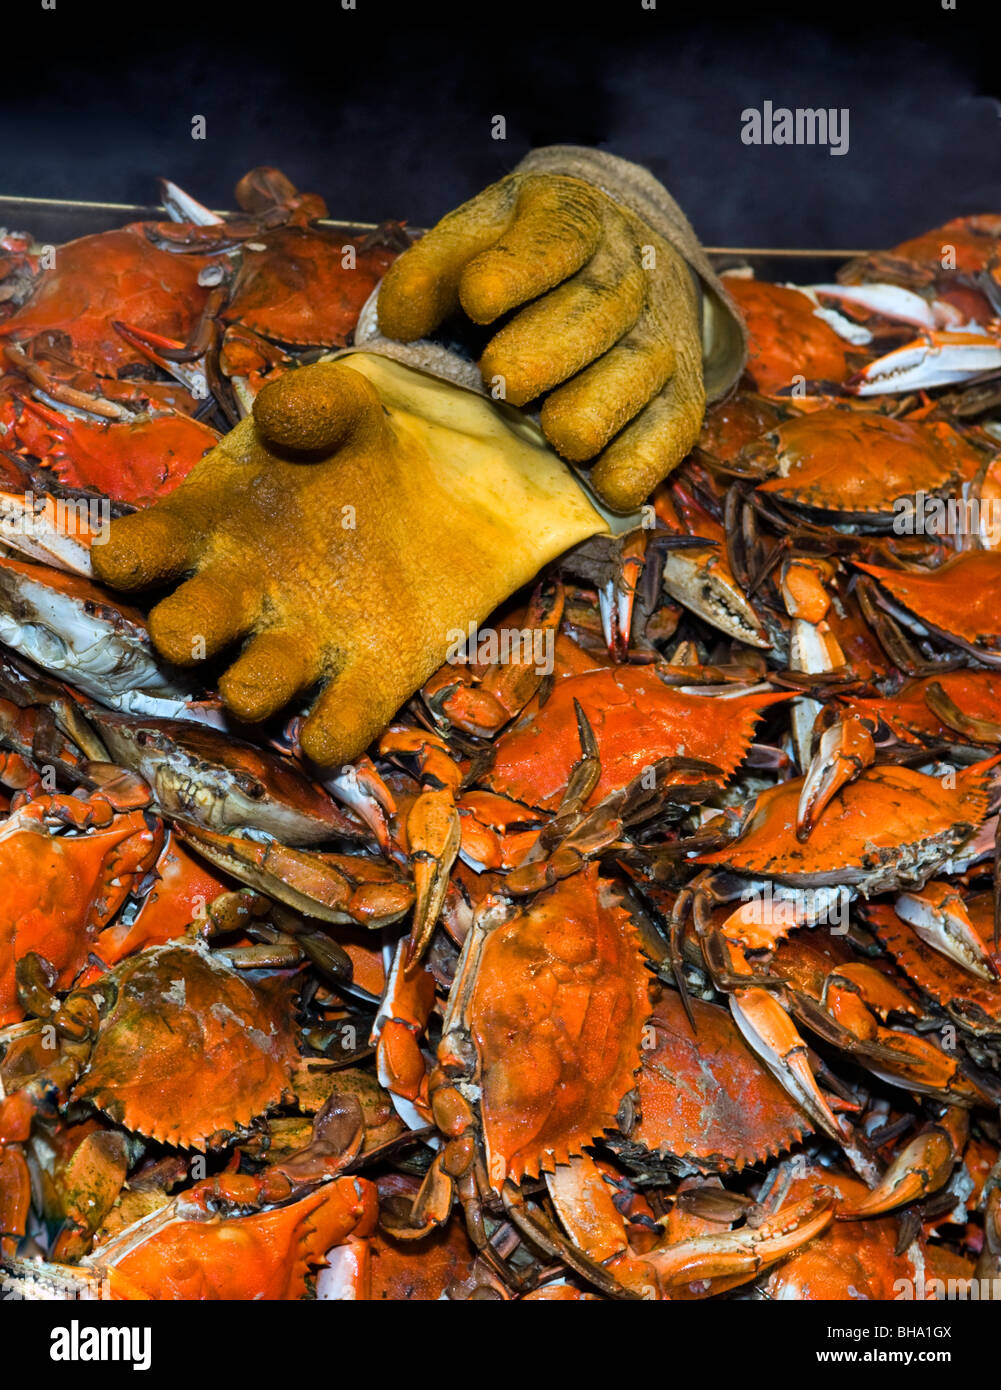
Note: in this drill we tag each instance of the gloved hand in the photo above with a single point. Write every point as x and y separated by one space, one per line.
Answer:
364 514
612 326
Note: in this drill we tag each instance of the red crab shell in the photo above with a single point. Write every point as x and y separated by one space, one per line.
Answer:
888 826
292 286
977 694
706 1100
636 719
787 339
856 1259
267 1255
974 1000
184 886
133 461
858 465
975 240
60 890
734 423
961 599
556 1015
190 1050
118 275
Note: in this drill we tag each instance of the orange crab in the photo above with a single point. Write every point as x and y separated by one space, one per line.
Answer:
534 760
133 460
223 1239
172 1043
300 283
705 1103
787 339
959 603
67 866
110 276
967 997
855 467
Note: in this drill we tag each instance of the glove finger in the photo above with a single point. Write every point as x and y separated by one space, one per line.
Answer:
316 409
656 441
581 417
422 287
203 616
572 325
584 415
271 669
352 710
148 548
556 229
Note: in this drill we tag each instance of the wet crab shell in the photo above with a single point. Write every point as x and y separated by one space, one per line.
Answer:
112 276
293 286
185 1253
908 715
636 719
960 601
212 779
858 1259
706 1103
58 891
787 338
78 631
973 1003
891 826
556 1017
189 1051
856 466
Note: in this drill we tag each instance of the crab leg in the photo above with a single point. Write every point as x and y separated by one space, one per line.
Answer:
308 882
403 1014
585 1207
701 579
813 647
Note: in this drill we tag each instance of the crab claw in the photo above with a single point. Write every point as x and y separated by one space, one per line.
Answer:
176 359
702 580
745 1252
935 359
332 888
771 1033
845 749
617 597
433 834
939 917
919 1169
891 302
359 787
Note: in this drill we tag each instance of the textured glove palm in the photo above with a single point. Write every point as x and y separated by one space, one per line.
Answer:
364 513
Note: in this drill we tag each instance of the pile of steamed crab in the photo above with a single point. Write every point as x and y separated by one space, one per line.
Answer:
666 967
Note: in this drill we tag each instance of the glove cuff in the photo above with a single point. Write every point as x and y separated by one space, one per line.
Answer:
724 337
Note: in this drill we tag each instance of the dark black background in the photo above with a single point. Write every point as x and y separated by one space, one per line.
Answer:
386 109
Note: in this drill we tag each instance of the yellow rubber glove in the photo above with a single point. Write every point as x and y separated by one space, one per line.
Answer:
611 329
365 513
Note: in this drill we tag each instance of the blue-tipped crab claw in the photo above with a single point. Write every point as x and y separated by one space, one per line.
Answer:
934 359
890 302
